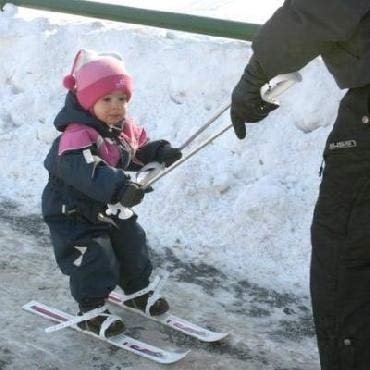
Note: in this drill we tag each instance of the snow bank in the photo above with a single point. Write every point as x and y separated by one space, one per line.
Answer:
242 206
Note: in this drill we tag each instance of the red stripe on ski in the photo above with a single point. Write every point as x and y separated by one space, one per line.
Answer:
185 328
143 350
49 313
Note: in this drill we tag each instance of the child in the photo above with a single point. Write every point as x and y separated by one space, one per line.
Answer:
87 165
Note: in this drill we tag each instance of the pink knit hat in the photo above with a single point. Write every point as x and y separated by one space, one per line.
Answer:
95 75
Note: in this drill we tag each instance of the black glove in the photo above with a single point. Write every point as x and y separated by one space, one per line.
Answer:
168 155
132 195
246 102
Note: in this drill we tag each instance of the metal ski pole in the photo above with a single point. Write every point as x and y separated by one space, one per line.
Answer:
205 126
152 169
269 93
186 156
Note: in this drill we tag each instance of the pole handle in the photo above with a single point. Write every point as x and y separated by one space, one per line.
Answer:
278 85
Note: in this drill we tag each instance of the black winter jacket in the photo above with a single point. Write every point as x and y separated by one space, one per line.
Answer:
299 31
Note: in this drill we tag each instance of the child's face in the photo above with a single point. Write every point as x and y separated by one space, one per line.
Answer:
111 108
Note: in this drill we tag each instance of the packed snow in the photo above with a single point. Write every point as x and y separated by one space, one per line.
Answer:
236 10
243 207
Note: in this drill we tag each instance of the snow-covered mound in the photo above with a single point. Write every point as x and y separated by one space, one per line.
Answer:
242 206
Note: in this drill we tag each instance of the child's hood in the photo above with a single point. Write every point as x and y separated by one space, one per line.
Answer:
72 112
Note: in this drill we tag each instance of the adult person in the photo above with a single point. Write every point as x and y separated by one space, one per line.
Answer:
338 31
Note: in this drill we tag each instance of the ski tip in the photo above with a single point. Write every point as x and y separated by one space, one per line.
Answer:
224 335
185 353
216 337
173 357
29 304
180 356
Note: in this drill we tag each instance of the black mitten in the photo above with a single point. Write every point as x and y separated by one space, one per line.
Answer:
149 151
132 195
168 155
246 102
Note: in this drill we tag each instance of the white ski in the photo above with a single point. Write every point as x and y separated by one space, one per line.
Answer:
173 322
123 341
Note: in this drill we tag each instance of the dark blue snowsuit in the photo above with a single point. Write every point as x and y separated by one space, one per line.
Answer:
95 254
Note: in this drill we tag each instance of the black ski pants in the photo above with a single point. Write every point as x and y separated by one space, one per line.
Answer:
340 265
99 256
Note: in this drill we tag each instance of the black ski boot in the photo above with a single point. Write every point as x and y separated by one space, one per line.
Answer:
95 324
159 307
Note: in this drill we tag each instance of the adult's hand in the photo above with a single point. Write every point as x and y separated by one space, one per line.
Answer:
246 102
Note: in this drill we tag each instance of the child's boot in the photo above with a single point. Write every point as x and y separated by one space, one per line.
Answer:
159 307
104 324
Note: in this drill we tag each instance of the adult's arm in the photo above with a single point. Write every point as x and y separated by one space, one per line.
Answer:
301 30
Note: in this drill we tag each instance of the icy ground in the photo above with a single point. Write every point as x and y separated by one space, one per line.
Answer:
270 331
